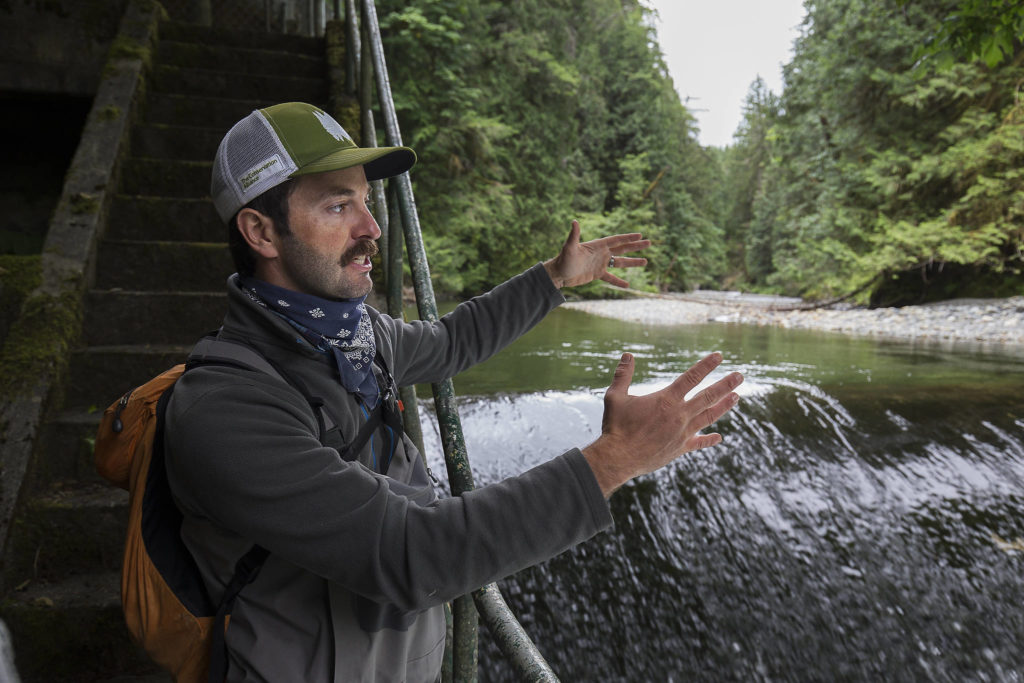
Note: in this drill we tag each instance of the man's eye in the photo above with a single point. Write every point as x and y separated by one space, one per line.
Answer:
337 208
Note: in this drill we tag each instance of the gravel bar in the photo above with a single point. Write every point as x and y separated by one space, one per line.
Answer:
999 321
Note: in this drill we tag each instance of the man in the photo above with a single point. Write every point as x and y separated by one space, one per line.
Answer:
362 553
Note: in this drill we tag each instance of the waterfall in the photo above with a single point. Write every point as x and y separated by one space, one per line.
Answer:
856 525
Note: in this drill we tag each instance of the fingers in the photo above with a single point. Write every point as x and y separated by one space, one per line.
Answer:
717 391
708 417
618 244
627 247
613 279
629 262
617 247
686 382
699 441
628 241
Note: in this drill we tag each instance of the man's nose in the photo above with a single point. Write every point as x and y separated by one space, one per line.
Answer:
367 226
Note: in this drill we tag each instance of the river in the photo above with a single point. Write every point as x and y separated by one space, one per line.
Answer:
862 520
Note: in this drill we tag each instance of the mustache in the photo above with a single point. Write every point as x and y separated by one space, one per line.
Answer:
366 248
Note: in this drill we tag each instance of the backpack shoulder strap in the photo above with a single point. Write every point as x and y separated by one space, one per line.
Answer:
212 350
246 570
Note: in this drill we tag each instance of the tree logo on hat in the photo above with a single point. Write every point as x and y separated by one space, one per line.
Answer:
331 126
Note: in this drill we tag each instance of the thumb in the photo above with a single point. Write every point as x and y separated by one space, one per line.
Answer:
623 376
574 234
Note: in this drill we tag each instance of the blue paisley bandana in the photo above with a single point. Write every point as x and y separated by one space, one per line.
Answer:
342 328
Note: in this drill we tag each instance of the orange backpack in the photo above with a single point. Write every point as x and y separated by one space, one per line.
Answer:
163 597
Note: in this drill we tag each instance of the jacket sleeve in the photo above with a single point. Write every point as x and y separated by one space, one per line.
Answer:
473 332
262 473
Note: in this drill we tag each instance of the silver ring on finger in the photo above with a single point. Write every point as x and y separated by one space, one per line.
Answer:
611 262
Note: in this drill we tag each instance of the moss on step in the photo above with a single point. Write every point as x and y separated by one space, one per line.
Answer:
60 636
129 45
83 202
67 531
110 113
38 342
19 275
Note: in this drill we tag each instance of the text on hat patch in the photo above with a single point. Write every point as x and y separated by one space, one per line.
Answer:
252 176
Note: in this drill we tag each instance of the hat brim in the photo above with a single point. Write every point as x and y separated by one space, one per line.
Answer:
377 162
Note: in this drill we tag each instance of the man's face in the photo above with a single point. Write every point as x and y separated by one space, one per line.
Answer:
332 236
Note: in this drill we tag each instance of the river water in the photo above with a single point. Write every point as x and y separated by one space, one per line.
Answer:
862 521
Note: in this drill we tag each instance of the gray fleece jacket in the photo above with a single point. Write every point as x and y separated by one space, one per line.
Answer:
361 563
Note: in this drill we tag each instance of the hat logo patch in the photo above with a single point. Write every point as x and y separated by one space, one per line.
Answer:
254 174
332 126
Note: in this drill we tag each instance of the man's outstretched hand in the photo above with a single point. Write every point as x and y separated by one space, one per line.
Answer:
640 434
579 263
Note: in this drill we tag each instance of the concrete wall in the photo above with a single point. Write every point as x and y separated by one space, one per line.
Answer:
60 46
56 46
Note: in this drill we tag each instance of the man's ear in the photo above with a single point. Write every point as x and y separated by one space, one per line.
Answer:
257 230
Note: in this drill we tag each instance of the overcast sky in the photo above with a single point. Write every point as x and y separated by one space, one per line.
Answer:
715 49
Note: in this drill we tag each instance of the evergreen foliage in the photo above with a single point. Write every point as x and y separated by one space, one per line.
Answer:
528 114
890 168
884 164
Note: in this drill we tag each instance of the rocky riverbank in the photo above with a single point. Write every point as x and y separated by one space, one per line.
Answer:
999 321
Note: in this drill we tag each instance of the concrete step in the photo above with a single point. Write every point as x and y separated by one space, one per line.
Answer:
116 317
66 447
229 37
72 528
72 631
214 112
166 178
171 219
163 266
210 83
242 59
152 300
102 374
186 143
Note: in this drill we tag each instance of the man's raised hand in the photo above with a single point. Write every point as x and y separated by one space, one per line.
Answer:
579 263
640 434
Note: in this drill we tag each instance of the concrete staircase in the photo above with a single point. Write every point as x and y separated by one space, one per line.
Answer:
161 268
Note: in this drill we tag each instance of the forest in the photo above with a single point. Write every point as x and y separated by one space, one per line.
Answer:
888 171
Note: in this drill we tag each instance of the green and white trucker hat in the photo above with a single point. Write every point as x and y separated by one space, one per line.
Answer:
271 145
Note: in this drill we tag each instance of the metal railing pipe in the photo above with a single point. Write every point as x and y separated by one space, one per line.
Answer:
352 46
511 637
411 414
460 476
368 138
513 640
385 210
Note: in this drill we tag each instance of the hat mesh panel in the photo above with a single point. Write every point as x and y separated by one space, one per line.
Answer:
248 146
